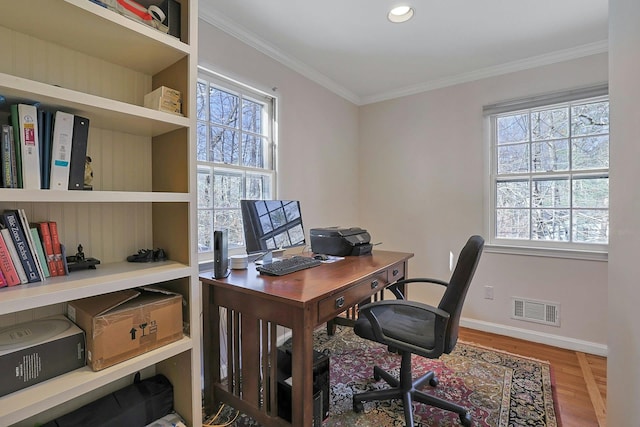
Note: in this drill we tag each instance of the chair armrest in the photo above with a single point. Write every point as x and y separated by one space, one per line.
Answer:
394 287
440 325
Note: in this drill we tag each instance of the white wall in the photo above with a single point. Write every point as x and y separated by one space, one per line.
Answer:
422 174
318 130
623 369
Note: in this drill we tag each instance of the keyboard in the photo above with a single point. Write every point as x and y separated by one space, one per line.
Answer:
288 265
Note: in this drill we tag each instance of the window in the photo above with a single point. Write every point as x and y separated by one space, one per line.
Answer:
550 174
235 153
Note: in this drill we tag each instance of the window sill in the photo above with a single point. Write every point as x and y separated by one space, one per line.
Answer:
546 252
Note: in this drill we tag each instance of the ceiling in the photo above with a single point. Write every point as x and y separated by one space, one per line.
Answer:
351 48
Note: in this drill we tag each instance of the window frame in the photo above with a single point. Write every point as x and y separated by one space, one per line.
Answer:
561 249
210 168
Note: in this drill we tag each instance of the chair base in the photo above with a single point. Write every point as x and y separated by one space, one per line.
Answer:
406 389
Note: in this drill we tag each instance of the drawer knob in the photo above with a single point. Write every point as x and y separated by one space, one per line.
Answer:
374 284
395 272
339 302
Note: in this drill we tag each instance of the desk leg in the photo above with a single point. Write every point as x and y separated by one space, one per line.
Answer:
302 373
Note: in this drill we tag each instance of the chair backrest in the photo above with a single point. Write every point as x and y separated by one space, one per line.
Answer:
456 292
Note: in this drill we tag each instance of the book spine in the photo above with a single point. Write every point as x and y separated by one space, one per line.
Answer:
24 223
57 248
12 222
6 264
78 153
5 156
40 251
15 258
3 281
30 143
17 148
61 151
45 236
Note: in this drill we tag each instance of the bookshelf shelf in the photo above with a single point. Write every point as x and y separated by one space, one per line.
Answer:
91 29
52 196
103 112
78 57
31 401
80 284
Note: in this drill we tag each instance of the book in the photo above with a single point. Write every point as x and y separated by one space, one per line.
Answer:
24 223
6 264
78 152
45 236
30 146
42 258
46 149
57 248
7 157
15 258
61 150
3 281
11 221
15 125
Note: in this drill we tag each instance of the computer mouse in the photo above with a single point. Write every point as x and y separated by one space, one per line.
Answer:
321 257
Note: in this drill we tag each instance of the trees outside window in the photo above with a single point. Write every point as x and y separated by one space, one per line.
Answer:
235 154
550 175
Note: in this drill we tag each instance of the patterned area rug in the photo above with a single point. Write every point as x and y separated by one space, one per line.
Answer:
499 389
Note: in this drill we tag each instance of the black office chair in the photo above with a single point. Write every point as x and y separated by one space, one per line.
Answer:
410 327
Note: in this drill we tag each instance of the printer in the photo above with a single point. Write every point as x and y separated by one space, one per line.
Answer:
340 241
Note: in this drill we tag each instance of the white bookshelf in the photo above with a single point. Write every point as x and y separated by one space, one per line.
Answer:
75 56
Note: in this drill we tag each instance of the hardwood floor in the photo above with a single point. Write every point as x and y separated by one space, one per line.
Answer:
580 378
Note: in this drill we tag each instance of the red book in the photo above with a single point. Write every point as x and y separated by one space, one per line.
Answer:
6 265
3 282
57 250
45 236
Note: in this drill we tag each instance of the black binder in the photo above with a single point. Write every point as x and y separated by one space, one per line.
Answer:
78 152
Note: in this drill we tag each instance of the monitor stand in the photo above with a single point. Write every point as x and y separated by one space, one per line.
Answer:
269 257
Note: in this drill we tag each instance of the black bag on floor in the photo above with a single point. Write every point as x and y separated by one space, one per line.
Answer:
136 405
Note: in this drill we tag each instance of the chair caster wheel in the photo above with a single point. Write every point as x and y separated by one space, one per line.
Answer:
465 419
358 407
433 382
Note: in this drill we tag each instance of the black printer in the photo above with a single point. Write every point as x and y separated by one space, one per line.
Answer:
338 241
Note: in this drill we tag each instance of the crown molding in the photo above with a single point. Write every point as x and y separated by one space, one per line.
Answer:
235 30
483 73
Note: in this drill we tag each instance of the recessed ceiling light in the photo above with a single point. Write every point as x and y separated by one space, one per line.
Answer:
400 14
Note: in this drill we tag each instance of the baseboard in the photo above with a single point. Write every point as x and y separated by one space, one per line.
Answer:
535 336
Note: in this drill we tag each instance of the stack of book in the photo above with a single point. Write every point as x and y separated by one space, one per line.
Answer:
28 252
164 99
42 149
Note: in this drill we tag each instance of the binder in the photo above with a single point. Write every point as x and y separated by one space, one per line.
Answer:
30 146
46 149
61 150
78 152
15 124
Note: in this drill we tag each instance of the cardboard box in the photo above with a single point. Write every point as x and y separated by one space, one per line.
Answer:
164 99
38 350
121 325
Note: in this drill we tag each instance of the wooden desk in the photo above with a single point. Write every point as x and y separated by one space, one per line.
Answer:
253 306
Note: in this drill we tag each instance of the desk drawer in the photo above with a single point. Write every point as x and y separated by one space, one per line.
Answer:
331 306
396 272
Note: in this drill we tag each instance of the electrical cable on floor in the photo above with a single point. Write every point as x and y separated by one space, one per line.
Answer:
215 417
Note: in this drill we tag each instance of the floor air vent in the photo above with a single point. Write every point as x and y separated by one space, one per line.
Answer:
536 311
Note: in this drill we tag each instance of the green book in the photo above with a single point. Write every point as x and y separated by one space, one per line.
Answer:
40 251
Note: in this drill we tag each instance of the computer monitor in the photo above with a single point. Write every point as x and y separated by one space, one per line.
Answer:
271 224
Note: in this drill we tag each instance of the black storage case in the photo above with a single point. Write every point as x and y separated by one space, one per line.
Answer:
320 385
340 241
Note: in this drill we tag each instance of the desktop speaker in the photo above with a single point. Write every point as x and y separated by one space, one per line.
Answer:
220 254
